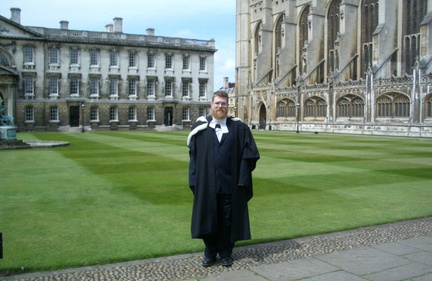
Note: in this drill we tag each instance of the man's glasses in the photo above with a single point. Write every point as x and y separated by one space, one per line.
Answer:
220 104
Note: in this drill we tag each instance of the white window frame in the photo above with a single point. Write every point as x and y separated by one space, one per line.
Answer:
29 114
169 88
74 87
186 114
29 86
113 113
53 57
94 58
54 113
113 88
151 116
151 88
74 57
94 113
53 87
132 113
133 87
94 87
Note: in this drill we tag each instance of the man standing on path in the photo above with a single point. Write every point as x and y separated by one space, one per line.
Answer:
223 155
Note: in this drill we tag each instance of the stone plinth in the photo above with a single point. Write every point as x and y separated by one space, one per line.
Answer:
7 133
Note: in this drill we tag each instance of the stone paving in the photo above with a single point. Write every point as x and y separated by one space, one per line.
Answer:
266 260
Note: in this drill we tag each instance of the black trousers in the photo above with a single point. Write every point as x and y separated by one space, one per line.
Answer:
219 242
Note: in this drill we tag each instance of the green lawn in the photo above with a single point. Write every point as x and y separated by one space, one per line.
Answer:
118 196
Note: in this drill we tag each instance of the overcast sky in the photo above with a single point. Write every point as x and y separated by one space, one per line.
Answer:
193 19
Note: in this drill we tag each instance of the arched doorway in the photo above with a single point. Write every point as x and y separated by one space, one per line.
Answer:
262 117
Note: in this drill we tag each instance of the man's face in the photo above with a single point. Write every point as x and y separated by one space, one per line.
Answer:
219 108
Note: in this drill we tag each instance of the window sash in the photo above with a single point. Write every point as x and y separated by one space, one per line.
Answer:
74 57
29 114
94 87
94 57
28 85
28 55
150 113
54 113
114 87
74 86
151 88
53 86
53 56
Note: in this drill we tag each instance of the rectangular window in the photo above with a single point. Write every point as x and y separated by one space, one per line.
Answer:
185 115
28 55
132 87
202 88
113 113
202 63
54 116
185 62
113 87
132 113
94 57
28 86
113 58
74 56
150 61
94 87
202 112
74 86
185 89
29 114
94 113
132 59
168 61
168 88
53 56
53 86
151 113
151 87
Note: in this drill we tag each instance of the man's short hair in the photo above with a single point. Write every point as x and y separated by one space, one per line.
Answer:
221 94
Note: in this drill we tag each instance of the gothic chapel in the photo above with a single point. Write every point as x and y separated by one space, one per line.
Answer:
343 66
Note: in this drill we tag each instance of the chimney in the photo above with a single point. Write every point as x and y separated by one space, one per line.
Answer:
150 31
64 25
118 25
16 15
225 82
109 28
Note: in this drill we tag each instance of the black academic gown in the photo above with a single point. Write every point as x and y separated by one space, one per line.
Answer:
244 155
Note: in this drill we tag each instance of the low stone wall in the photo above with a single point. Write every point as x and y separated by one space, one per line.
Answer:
388 129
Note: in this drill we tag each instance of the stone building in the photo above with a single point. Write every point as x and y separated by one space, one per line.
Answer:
57 79
349 66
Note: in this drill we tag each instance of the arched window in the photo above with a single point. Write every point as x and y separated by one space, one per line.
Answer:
279 42
350 106
304 37
428 105
369 18
413 13
333 31
393 105
286 108
315 107
258 39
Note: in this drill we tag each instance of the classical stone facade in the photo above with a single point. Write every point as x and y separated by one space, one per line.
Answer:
57 79
348 66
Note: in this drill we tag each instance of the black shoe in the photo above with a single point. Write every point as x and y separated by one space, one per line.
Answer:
226 261
206 262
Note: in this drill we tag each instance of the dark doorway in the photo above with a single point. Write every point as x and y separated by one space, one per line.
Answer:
168 116
262 117
74 116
